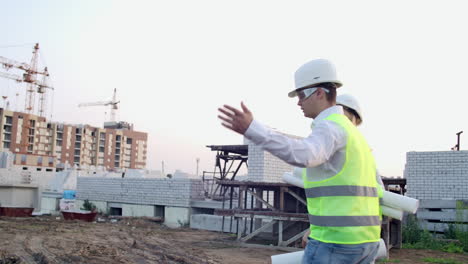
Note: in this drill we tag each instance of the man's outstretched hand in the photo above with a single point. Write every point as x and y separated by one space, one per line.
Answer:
235 119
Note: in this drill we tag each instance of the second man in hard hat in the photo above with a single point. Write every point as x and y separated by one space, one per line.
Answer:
339 169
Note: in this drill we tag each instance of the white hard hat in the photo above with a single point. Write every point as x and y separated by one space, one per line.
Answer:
349 101
315 72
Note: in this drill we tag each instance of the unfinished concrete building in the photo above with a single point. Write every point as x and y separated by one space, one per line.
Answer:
36 142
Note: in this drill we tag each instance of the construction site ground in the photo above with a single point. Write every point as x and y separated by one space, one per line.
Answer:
50 239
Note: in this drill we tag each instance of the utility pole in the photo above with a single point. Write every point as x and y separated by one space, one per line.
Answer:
457 146
458 140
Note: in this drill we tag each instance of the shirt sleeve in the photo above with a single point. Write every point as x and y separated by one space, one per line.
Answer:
326 138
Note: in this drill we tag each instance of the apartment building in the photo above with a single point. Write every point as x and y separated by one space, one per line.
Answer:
36 142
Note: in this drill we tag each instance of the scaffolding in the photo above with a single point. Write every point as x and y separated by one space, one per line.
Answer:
272 213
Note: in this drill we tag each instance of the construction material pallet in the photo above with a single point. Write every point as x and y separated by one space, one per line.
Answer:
438 215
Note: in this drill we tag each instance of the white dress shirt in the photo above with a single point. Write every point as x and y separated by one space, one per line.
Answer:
326 138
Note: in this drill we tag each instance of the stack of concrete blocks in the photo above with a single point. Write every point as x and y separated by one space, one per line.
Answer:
439 179
263 166
437 175
143 197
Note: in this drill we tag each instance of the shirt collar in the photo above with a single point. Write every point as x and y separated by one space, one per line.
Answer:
336 109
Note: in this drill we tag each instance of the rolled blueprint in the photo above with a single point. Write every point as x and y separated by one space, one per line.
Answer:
401 202
392 212
288 258
382 252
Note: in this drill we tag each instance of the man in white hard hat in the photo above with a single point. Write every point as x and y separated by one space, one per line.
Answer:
353 111
351 108
339 175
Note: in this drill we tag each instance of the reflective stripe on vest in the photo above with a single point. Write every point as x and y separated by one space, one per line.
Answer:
344 220
341 190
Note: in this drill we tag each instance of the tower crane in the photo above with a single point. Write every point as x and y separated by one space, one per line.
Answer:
30 78
113 105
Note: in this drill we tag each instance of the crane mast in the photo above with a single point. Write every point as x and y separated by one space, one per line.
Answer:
33 85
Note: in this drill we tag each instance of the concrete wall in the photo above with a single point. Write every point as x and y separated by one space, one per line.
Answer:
168 192
177 216
17 175
50 202
137 210
437 175
19 195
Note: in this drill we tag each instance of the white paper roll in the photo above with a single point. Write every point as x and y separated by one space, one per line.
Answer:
288 258
297 172
382 252
398 201
392 212
288 177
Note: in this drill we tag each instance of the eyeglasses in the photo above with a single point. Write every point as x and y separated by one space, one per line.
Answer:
305 93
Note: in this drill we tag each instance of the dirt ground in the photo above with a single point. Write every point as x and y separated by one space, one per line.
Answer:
137 240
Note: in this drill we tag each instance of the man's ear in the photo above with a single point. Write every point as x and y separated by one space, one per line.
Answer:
320 92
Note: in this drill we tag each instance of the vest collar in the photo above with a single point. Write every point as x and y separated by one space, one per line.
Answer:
336 109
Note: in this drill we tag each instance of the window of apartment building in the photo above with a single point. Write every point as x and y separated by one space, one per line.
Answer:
49 125
32 123
51 160
31 131
101 149
77 145
116 164
7 137
7 128
31 140
77 152
8 120
39 160
58 142
78 138
23 158
30 148
78 131
129 141
118 138
76 160
6 144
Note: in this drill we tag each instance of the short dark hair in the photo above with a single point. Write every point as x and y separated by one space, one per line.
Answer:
331 87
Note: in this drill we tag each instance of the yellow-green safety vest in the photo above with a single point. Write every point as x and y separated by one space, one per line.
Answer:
344 208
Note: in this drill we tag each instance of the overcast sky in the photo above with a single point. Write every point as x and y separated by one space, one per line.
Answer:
175 62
